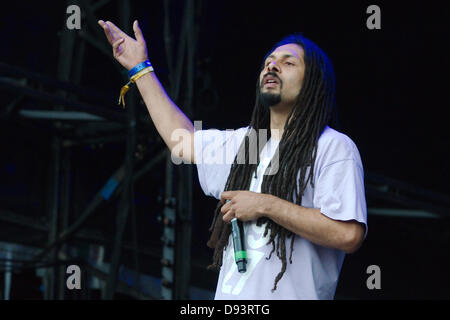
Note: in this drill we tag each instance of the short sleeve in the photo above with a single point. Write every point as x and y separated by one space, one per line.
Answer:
215 151
339 192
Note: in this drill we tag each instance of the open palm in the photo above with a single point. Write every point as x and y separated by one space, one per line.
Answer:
127 51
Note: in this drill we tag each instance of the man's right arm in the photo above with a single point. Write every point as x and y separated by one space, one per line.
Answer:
166 116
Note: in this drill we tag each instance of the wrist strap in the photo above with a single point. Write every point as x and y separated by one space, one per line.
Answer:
133 79
138 68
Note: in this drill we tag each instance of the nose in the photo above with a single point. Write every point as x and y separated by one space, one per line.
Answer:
273 66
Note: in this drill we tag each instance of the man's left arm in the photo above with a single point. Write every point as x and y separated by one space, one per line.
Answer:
308 223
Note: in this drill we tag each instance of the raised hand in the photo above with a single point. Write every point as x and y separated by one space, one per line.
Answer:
127 51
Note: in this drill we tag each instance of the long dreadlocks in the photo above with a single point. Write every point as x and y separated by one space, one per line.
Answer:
313 109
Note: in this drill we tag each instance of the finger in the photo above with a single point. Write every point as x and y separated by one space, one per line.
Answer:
117 43
138 32
226 207
107 31
227 217
116 30
116 47
227 195
113 32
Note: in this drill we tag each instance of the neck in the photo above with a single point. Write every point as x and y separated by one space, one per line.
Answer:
278 118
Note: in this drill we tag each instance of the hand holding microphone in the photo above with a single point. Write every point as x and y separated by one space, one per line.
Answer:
248 205
240 254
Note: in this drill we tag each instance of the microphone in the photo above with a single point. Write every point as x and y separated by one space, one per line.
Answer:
240 255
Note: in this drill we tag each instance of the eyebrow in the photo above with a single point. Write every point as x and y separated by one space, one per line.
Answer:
286 55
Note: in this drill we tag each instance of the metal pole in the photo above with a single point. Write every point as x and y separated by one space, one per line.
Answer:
53 196
177 235
134 231
169 219
184 188
124 204
65 203
8 273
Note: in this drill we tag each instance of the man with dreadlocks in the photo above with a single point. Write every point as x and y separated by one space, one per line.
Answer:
302 200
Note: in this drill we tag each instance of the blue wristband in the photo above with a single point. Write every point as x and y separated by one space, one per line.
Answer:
138 68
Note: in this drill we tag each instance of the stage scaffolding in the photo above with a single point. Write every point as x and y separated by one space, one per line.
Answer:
116 125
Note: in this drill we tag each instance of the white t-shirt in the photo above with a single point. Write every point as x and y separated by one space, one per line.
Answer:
338 193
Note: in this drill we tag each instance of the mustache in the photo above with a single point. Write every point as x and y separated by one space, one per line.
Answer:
273 74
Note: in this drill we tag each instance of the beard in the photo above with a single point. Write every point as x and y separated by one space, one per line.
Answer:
269 99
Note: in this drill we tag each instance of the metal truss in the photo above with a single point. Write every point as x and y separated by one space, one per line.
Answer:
115 126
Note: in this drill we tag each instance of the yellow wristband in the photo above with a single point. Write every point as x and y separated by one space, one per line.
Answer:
133 79
141 73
